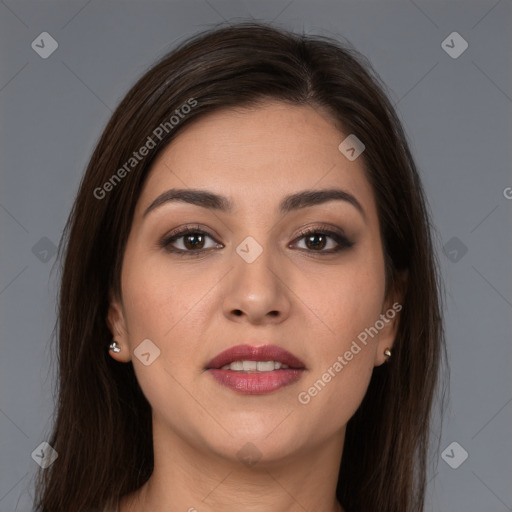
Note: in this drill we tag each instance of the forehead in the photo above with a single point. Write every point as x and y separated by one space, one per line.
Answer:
261 154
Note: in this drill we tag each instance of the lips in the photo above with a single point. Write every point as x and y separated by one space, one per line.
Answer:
256 381
250 353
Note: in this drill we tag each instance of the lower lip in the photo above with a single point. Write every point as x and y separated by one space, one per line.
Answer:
257 383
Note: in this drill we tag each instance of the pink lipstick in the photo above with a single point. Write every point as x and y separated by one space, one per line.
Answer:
255 370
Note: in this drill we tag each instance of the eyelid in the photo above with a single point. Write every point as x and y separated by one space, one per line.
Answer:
336 233
183 230
328 228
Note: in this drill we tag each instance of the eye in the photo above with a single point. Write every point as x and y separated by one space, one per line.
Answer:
192 241
317 239
189 240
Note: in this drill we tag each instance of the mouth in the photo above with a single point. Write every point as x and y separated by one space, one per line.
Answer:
255 370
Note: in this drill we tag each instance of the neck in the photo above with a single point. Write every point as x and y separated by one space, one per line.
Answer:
188 478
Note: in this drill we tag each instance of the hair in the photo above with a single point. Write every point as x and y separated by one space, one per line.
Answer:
102 430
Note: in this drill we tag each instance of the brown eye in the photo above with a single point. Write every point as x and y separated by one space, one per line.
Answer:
316 240
189 241
194 241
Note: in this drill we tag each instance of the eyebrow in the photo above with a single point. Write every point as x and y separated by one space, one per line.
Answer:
290 203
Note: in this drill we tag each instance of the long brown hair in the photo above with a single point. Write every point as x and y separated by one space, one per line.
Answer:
102 429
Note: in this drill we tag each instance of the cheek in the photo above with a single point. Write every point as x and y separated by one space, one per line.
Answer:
346 305
333 397
343 354
160 297
172 306
342 302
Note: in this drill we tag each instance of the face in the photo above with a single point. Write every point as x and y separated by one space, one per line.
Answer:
305 275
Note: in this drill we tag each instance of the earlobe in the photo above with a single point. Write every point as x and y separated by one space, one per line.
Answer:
387 355
387 336
118 347
384 357
391 316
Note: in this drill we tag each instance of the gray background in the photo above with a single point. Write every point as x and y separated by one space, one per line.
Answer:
456 112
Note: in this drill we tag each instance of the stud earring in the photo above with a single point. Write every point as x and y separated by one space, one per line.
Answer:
113 346
387 352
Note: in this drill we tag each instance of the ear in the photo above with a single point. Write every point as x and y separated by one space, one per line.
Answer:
116 322
390 317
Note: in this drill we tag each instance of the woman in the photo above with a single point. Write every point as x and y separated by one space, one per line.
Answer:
250 303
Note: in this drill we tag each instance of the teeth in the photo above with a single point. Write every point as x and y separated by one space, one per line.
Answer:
255 366
250 366
265 366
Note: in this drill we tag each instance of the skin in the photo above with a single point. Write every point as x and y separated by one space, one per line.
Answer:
313 304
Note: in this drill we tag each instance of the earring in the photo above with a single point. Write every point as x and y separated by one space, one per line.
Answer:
113 346
387 352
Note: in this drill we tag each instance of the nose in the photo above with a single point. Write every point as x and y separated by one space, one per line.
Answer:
257 292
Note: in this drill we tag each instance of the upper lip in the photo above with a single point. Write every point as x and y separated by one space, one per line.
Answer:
251 353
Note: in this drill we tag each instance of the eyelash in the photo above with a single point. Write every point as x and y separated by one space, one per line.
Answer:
342 241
